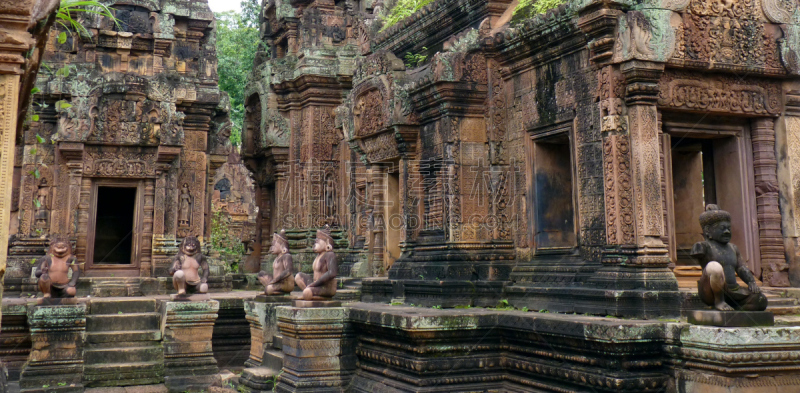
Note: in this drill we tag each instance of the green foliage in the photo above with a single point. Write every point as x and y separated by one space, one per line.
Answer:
237 44
229 247
402 10
504 305
529 8
68 10
415 59
437 307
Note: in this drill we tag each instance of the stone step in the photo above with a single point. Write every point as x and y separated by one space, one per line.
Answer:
781 310
273 358
123 336
140 354
259 379
122 322
347 294
125 305
277 342
123 374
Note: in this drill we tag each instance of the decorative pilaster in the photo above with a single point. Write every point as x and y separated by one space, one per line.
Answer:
635 258
319 349
189 363
55 364
774 270
9 89
788 140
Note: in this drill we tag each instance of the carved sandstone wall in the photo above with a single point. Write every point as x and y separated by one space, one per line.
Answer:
134 105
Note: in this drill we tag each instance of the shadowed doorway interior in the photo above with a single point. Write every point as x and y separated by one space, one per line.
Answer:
114 225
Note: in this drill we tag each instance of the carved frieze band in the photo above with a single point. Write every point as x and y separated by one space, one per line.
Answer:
719 94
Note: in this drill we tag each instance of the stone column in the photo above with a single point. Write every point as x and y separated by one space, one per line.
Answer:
635 258
55 364
787 133
774 270
319 349
9 89
186 328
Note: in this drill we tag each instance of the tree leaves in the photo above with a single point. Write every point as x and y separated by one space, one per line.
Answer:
237 44
62 37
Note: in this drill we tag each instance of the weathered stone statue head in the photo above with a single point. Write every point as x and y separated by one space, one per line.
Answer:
280 245
60 246
716 224
190 246
324 242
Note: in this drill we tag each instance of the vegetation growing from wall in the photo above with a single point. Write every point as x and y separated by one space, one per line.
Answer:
528 8
402 10
229 247
237 43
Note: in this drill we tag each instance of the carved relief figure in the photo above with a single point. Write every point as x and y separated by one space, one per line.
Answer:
322 285
330 200
185 266
53 270
185 207
42 209
721 262
281 280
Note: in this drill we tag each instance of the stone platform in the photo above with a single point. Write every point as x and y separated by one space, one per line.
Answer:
368 347
731 318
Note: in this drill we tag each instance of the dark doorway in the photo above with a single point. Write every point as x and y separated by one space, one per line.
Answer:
554 219
113 234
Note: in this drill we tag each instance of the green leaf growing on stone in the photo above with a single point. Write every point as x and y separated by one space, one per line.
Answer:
35 118
413 60
403 9
529 8
62 37
68 11
39 139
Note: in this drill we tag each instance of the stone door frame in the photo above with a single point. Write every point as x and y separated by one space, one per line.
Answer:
564 128
131 270
675 125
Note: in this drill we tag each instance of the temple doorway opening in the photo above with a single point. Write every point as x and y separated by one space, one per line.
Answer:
554 212
114 229
708 162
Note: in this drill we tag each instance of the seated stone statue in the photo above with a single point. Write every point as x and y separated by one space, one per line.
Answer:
53 270
184 270
281 281
721 262
322 286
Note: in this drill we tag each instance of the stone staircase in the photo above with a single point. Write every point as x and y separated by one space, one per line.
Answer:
262 379
348 289
123 343
782 301
113 287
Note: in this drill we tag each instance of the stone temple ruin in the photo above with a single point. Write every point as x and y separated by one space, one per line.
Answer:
465 157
